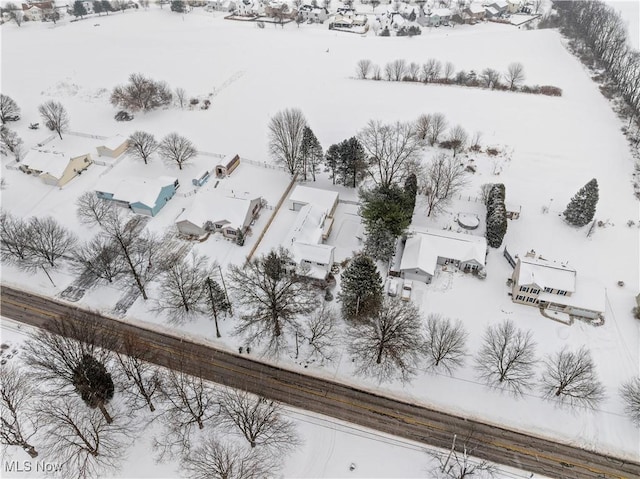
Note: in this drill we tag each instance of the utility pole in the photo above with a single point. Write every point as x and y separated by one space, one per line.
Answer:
225 290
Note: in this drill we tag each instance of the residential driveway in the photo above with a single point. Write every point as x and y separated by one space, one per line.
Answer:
346 228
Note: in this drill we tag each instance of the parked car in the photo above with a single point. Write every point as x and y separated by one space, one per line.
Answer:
392 287
406 290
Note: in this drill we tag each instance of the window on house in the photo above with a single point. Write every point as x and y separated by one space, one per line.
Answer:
562 293
535 291
218 226
548 290
232 232
524 289
519 297
531 300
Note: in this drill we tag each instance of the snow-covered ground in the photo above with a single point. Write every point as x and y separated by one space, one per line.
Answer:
552 146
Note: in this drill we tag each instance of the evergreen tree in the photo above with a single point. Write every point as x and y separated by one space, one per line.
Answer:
78 9
216 301
496 215
389 208
411 190
94 384
310 153
412 16
361 292
97 7
106 6
352 164
582 207
380 243
177 6
332 160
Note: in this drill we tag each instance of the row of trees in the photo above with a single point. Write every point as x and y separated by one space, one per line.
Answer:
599 35
65 418
433 71
173 148
494 196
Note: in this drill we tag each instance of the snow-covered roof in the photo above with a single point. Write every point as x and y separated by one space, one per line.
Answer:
589 294
113 142
304 239
492 10
219 205
476 8
322 199
424 247
46 160
512 207
546 274
500 4
440 12
137 190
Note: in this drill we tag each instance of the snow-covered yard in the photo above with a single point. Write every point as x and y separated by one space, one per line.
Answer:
555 146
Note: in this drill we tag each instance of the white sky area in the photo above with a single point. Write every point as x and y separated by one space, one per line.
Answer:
630 11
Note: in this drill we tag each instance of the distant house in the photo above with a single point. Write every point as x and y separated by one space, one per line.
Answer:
427 249
228 164
247 8
348 21
113 146
556 287
491 12
219 211
514 6
391 20
144 196
475 12
436 17
314 14
222 5
54 167
35 12
312 258
500 5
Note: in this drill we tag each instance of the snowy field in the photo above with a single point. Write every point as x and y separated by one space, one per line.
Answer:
554 146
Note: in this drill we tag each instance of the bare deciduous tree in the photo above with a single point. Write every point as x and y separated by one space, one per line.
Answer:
437 127
286 130
14 13
9 109
507 357
81 440
423 125
376 73
142 145
393 150
100 258
630 392
177 149
181 96
413 71
91 209
59 355
443 177
514 76
141 93
182 291
188 402
273 296
490 78
448 71
570 377
14 239
320 333
139 249
55 116
18 424
445 343
49 242
10 143
363 68
214 458
388 344
258 420
458 139
457 463
141 381
396 70
431 70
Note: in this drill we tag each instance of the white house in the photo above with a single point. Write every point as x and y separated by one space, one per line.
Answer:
305 242
436 17
219 211
314 14
53 166
427 249
555 286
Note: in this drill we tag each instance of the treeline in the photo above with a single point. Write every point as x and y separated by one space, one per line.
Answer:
433 71
598 35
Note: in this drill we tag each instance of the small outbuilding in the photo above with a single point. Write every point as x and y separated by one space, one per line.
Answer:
113 146
229 163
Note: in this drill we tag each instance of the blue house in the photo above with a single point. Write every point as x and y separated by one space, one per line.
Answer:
144 196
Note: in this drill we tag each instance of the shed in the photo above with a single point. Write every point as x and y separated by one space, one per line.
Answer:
513 211
229 163
113 146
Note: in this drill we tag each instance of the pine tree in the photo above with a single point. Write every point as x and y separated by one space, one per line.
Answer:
177 6
496 215
94 384
582 207
78 9
351 167
332 160
411 189
380 243
310 153
361 292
